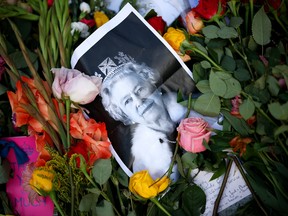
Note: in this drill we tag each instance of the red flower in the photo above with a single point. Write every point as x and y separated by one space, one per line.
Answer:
158 24
275 4
206 9
89 22
50 3
239 144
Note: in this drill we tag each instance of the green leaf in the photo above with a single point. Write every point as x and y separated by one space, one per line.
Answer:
273 85
219 172
18 58
102 170
235 22
247 108
3 89
203 86
217 85
242 74
228 63
194 200
105 208
122 177
280 130
188 159
5 170
238 124
210 31
200 47
233 88
87 202
199 73
227 32
208 104
205 64
279 111
261 27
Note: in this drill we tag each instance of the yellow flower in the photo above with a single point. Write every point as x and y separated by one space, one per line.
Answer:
100 18
142 184
42 180
174 37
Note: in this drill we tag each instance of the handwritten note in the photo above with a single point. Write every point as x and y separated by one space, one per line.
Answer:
235 190
17 196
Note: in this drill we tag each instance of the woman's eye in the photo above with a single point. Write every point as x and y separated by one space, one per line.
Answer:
127 101
139 90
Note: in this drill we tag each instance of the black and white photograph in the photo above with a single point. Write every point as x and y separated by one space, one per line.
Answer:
138 101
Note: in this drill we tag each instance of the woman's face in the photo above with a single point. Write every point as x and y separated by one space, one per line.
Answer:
138 99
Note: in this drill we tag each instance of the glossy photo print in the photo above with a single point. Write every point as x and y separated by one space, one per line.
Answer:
141 75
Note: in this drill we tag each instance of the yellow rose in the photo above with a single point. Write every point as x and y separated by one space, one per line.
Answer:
100 18
174 37
42 180
142 184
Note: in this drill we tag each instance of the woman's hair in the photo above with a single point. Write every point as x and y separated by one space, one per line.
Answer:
145 72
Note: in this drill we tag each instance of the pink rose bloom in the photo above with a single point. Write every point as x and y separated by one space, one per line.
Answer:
80 88
192 132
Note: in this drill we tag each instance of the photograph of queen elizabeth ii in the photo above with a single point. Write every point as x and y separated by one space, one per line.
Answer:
138 100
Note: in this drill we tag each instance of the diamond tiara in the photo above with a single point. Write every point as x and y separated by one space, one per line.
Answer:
109 68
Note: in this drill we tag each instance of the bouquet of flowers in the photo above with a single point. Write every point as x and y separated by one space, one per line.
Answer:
237 51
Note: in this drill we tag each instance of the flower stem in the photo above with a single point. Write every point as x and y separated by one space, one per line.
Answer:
72 190
54 199
101 192
218 199
208 58
68 105
156 202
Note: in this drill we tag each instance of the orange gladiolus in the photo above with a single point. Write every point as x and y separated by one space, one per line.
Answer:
21 115
93 133
239 143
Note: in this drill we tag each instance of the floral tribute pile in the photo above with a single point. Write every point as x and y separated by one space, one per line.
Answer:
237 51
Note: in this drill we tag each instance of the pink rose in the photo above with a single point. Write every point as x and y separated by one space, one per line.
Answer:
80 87
192 131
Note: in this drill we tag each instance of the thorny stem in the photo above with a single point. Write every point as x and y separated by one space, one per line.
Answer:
244 57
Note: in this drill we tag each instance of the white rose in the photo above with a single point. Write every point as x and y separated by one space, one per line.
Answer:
84 7
80 88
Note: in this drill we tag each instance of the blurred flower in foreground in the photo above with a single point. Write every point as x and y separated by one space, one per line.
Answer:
100 18
194 24
67 82
158 24
80 28
239 144
40 180
141 184
84 7
192 132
